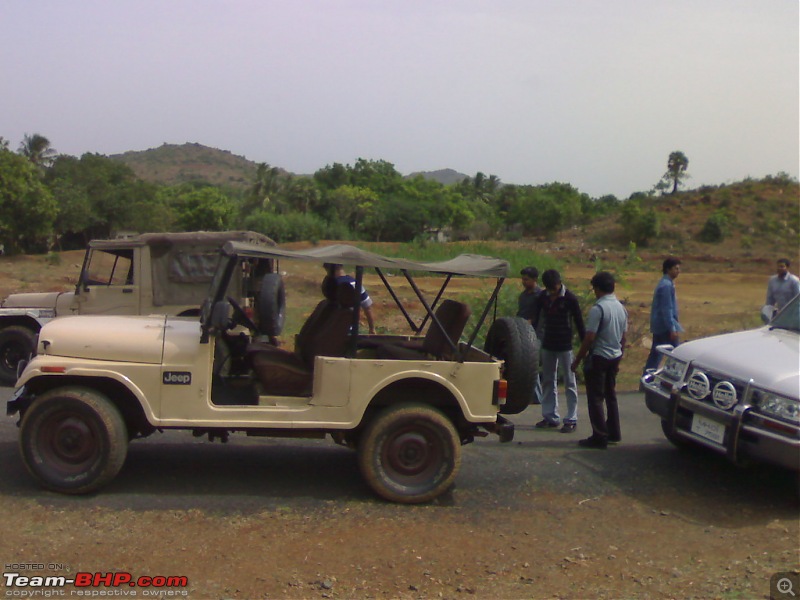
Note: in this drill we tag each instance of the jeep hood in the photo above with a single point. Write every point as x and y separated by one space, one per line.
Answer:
771 358
116 338
39 300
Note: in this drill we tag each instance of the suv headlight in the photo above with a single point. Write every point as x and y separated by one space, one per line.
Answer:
672 368
784 408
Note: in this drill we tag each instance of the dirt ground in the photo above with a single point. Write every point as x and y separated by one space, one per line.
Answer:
561 544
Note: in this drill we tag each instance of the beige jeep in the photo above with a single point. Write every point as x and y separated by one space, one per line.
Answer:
152 273
405 403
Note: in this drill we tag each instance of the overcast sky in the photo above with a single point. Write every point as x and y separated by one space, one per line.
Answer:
595 93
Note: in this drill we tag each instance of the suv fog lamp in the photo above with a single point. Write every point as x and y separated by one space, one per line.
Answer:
698 385
777 406
724 395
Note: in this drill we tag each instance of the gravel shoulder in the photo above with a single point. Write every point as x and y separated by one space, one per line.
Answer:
537 518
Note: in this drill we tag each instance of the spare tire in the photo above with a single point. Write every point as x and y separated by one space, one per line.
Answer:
513 340
271 305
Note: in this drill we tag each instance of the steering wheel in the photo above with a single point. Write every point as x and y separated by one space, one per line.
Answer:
239 316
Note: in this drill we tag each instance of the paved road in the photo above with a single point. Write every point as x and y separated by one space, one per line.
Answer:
177 470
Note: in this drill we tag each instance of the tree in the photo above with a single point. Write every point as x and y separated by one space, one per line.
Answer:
265 191
36 148
676 169
302 194
27 208
349 205
116 198
204 209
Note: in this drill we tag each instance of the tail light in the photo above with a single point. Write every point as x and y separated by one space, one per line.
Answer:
500 392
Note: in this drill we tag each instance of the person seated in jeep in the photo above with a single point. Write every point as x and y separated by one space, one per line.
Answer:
337 272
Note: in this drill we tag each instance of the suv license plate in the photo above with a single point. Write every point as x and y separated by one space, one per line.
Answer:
711 430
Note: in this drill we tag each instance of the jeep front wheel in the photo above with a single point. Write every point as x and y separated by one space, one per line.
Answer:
410 453
73 440
16 344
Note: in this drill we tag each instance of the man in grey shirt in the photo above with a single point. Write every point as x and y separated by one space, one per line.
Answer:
602 349
783 286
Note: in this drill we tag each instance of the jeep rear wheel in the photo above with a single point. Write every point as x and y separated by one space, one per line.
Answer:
513 340
16 344
73 440
410 453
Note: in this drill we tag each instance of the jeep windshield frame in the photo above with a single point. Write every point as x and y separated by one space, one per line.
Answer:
466 265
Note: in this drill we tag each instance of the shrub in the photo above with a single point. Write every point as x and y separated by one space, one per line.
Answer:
640 226
716 227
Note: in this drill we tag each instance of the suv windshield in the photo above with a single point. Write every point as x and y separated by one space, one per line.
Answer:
789 317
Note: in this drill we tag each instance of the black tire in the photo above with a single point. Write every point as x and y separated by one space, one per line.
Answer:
16 344
73 440
272 305
410 453
513 340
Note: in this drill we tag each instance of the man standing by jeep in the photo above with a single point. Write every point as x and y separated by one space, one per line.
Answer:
558 308
525 304
601 351
783 286
664 325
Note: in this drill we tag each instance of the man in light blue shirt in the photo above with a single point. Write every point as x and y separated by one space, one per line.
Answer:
664 324
602 348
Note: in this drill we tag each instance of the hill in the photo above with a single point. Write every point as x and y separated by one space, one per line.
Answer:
758 222
172 164
443 176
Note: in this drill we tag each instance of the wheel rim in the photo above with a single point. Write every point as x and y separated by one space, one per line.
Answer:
413 455
10 354
69 442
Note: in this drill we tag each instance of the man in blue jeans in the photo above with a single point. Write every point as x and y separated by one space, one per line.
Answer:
558 308
664 325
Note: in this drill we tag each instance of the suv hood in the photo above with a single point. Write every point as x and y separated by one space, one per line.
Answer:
38 300
116 338
768 357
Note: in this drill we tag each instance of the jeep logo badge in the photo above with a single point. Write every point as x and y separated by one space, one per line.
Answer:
724 395
177 378
698 385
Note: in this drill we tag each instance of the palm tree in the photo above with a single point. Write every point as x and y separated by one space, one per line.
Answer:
36 148
676 169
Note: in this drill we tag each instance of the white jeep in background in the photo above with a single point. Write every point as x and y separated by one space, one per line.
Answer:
405 403
737 394
151 273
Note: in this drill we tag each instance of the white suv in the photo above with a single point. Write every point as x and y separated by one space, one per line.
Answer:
738 393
